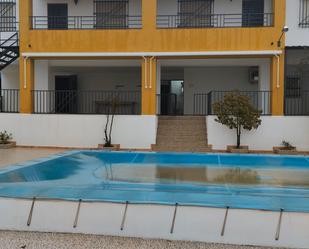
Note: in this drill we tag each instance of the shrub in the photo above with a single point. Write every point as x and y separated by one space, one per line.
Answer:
5 137
236 112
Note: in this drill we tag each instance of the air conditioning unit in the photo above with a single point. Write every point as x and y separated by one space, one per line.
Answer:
254 75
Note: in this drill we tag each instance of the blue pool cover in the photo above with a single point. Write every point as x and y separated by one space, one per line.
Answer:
263 182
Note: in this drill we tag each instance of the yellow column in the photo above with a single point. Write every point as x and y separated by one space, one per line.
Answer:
26 66
26 84
149 14
149 86
277 85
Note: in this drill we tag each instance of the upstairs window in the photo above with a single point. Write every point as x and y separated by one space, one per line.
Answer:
195 13
253 13
7 15
111 14
304 14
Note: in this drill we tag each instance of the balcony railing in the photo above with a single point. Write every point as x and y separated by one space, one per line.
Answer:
86 22
9 100
203 102
215 20
87 102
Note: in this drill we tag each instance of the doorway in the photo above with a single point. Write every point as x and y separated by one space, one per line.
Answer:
172 97
66 94
253 13
57 15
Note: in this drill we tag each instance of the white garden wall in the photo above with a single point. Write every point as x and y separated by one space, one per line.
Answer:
272 132
86 131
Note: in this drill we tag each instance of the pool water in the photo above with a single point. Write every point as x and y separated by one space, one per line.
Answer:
216 180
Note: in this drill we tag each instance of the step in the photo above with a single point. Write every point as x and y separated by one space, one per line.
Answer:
182 118
181 139
182 149
173 132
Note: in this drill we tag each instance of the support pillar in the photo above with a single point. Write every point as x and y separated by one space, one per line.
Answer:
26 84
149 88
277 85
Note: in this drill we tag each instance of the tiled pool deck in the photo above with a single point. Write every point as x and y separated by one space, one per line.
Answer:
30 240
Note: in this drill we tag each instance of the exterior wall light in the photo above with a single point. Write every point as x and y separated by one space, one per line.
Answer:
284 30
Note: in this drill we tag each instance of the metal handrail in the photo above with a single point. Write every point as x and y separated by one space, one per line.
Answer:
87 22
215 20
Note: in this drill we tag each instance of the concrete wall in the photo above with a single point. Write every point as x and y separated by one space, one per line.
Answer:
272 132
10 77
80 131
207 79
296 36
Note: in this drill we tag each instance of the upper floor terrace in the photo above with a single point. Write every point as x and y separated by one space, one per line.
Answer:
150 25
126 14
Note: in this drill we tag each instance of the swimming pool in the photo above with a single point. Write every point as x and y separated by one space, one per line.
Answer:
263 182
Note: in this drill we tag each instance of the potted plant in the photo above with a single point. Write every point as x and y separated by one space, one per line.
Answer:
5 140
285 148
109 127
236 112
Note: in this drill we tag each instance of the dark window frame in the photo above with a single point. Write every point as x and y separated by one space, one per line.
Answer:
199 13
105 19
251 17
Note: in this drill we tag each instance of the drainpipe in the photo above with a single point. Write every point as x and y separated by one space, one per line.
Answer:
278 70
25 72
150 80
145 60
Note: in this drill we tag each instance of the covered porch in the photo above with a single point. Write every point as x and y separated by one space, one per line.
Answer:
192 86
147 84
87 87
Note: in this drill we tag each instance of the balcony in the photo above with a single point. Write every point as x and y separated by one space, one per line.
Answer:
214 13
215 20
95 14
86 22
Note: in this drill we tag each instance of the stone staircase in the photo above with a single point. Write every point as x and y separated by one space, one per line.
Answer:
182 134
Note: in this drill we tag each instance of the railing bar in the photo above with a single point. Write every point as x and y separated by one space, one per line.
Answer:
124 216
31 212
77 213
174 219
279 225
224 222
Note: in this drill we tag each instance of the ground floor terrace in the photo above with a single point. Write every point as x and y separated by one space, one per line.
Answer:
140 86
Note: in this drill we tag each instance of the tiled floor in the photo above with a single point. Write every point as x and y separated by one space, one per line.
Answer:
17 155
26 240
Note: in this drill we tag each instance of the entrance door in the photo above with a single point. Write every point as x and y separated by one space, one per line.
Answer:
172 97
66 94
57 15
253 13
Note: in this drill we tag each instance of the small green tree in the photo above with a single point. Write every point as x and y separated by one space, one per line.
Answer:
236 112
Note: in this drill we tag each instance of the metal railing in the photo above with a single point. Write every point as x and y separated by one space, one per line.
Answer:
215 20
167 104
203 102
87 102
298 105
9 100
86 22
